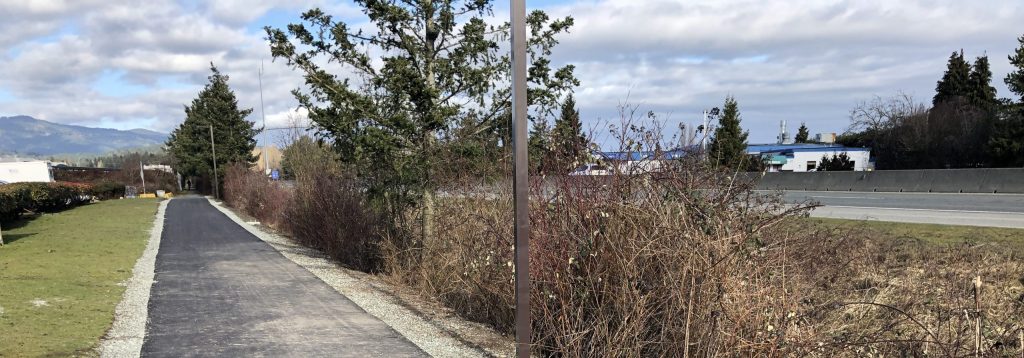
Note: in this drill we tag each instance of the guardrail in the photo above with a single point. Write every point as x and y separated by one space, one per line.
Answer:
986 180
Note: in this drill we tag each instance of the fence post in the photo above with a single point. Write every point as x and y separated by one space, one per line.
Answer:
1 236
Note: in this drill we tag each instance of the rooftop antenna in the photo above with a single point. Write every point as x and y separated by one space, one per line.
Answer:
263 113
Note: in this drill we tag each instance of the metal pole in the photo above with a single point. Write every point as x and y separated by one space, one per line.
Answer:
213 147
263 113
142 173
521 180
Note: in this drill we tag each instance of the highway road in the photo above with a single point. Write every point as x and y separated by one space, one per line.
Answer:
997 210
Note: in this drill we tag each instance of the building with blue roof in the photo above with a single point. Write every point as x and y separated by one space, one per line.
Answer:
806 157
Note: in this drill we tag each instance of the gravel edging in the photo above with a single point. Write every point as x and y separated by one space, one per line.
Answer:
430 335
125 337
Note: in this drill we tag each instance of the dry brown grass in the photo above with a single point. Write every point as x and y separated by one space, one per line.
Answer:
689 264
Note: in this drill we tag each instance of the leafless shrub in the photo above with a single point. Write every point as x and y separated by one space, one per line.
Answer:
329 213
685 260
256 195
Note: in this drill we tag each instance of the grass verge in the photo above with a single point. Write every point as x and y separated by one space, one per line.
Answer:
60 276
929 233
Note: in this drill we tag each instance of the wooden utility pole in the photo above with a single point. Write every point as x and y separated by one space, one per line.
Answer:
521 180
213 148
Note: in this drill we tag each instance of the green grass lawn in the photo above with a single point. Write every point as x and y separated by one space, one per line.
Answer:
60 275
933 233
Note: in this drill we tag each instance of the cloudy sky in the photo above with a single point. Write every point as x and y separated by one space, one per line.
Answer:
134 64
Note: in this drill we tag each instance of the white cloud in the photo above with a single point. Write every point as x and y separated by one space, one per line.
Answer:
799 60
795 60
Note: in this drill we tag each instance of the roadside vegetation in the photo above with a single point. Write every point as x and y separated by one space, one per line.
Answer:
61 275
407 178
685 260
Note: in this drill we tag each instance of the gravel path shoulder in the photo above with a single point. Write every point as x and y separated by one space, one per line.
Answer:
124 339
440 334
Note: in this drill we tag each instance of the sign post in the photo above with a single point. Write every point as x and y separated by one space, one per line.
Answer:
521 180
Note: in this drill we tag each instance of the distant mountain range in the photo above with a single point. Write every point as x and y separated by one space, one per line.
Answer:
34 137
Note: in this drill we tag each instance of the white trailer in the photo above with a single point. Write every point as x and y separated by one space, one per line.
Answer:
21 172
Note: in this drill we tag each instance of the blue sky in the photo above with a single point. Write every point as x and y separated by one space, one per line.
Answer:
134 64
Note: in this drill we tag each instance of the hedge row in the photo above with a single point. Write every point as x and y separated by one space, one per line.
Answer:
17 198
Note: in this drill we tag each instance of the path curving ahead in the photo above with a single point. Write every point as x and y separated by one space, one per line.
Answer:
222 292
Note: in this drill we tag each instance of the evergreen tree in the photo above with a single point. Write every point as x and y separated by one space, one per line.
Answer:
955 83
1006 147
1015 80
423 67
540 146
1007 144
216 105
838 162
569 144
728 147
981 93
802 134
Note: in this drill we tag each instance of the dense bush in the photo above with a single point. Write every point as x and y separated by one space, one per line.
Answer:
322 208
693 263
256 195
18 198
105 189
330 213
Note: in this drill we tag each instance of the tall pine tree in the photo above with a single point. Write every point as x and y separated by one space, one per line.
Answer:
955 83
1006 147
569 144
1015 80
728 147
802 134
215 105
981 93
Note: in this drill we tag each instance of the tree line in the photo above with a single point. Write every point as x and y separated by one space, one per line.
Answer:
966 125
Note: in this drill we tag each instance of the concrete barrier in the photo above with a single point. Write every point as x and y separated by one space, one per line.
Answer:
987 180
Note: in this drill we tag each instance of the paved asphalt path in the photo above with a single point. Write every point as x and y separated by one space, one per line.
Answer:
221 292
997 210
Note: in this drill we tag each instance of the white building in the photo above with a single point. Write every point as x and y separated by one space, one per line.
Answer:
19 172
806 157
